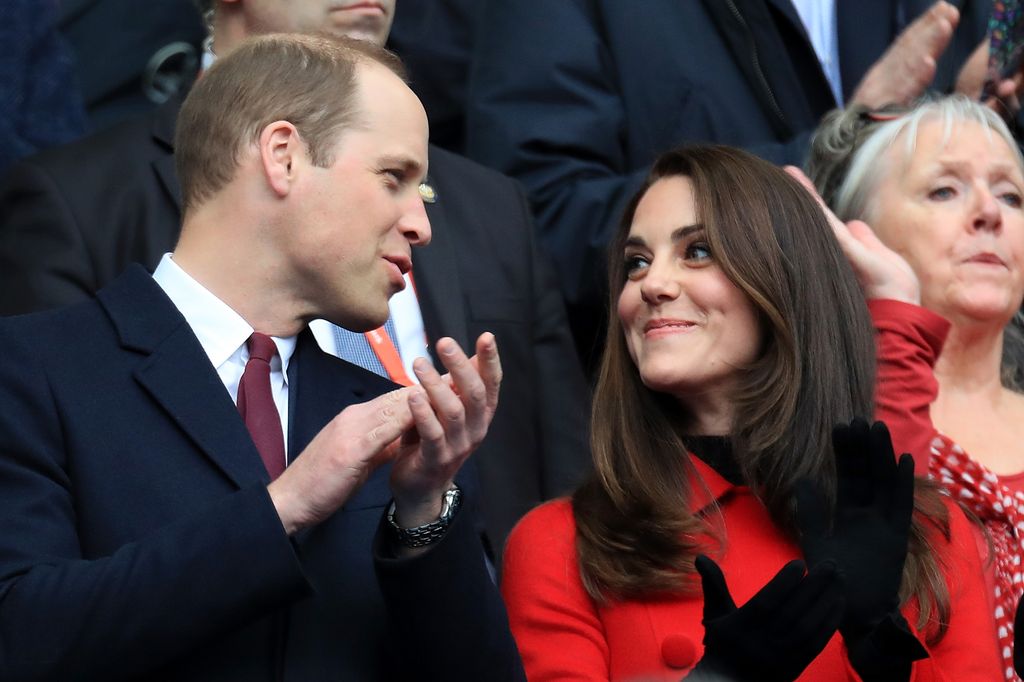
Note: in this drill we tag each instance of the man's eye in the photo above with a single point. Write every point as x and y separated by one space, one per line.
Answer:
396 175
942 193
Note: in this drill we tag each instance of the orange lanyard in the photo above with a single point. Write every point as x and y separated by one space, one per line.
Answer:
388 355
384 348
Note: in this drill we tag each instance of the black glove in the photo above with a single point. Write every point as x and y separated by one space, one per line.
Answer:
868 542
1018 640
776 634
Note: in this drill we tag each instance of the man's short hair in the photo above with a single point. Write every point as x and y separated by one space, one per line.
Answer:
307 80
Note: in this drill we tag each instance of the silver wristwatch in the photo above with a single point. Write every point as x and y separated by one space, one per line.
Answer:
428 533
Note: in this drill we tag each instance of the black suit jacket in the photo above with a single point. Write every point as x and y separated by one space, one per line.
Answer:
72 218
139 541
576 98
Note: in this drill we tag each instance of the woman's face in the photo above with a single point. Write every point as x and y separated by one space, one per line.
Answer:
686 325
954 211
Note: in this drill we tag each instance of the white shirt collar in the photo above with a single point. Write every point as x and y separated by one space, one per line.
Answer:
221 331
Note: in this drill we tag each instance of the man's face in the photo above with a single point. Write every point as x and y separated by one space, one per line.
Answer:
361 19
356 220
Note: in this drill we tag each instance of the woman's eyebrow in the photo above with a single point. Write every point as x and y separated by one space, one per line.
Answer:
685 231
678 234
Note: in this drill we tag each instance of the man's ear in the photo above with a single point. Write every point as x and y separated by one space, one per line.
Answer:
281 152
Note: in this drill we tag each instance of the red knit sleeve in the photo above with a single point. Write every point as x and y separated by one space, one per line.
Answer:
909 340
554 621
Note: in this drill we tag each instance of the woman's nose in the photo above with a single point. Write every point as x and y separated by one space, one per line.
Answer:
988 214
659 286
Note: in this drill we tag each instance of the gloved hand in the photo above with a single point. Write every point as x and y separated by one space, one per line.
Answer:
777 633
1018 640
867 539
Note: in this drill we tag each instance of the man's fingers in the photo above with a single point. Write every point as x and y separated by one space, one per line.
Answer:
447 407
470 386
489 365
381 420
931 32
428 427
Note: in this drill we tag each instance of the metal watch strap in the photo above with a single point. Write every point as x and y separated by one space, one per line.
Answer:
428 533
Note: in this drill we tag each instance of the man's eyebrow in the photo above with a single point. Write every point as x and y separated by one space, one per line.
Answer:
678 234
406 163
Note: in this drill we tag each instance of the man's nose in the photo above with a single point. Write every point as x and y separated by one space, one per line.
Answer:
414 224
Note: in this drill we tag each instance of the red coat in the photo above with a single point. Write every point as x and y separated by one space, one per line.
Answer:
563 635
910 339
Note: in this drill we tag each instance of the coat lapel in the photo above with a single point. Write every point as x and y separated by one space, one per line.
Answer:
320 386
178 375
436 272
755 39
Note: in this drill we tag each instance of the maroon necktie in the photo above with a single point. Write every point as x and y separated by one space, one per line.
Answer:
256 404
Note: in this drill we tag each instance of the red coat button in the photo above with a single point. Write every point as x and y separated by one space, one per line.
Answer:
678 651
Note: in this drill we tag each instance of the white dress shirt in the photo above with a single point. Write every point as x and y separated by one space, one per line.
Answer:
223 335
819 19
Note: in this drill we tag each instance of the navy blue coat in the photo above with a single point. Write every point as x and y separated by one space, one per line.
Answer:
139 540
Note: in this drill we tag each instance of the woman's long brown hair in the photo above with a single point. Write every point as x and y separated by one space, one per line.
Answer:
636 534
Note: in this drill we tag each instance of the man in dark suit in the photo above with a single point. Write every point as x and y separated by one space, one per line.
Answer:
73 218
128 62
143 536
576 98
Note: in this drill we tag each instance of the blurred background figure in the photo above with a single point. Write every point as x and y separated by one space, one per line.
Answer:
575 98
942 187
40 103
719 389
130 57
435 40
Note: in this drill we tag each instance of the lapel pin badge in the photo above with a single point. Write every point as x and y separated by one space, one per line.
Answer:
428 193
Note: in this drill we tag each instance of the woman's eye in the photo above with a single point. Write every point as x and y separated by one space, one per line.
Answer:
634 265
942 193
1012 199
698 251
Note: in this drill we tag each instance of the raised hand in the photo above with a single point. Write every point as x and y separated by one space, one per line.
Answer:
881 272
1002 96
451 417
777 633
908 66
866 537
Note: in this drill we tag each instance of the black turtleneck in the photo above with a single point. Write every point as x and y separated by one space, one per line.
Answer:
716 452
